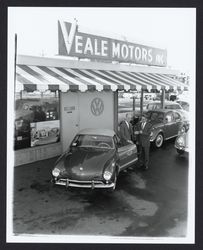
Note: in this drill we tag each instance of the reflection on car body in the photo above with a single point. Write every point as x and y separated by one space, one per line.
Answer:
94 160
166 125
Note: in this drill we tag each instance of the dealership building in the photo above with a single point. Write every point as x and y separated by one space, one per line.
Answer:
57 97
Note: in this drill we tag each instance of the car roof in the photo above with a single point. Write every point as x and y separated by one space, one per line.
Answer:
162 110
166 102
97 131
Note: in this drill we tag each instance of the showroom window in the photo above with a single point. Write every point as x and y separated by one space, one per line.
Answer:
37 120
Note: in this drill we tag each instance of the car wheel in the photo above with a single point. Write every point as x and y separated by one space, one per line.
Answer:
159 140
180 152
183 129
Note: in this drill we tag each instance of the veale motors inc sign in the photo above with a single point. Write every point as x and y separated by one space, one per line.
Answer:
83 45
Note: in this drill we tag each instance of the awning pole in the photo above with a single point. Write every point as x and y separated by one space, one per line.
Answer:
133 104
115 98
141 101
15 56
163 98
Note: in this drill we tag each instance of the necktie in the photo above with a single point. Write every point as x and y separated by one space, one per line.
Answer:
143 125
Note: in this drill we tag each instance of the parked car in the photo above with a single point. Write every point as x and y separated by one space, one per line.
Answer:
94 160
166 125
168 105
184 104
181 143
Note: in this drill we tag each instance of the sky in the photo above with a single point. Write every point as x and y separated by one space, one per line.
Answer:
168 28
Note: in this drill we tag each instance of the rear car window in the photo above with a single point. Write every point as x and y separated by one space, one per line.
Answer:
172 106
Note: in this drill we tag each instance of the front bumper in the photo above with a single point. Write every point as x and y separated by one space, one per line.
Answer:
180 147
82 184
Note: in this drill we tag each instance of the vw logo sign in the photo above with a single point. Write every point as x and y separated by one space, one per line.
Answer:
97 106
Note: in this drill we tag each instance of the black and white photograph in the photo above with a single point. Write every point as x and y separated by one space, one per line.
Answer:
101 125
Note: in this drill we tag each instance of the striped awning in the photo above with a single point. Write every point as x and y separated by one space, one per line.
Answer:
42 78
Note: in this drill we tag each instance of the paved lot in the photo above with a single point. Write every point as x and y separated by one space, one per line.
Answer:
145 203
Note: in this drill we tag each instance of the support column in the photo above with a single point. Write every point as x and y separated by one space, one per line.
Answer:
133 104
21 94
141 101
115 99
163 98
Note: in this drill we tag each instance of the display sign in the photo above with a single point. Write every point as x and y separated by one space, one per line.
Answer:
44 132
36 121
83 45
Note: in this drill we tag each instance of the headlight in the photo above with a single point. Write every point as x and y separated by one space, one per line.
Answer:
107 175
109 171
55 172
152 132
181 141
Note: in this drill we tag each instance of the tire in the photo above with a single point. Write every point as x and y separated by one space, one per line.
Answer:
159 140
180 152
183 129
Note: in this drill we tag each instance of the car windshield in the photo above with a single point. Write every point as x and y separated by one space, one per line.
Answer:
153 106
155 116
93 141
172 106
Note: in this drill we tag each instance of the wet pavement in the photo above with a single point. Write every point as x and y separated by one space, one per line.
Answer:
145 203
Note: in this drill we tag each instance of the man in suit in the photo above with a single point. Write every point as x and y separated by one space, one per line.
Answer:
143 132
126 131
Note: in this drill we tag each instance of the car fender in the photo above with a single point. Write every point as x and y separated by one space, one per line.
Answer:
156 131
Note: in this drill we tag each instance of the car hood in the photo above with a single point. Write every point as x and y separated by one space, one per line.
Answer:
85 163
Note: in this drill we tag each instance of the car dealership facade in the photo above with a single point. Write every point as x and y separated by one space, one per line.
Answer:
57 97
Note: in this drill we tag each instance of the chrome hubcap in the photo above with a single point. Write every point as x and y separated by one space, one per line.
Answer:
159 140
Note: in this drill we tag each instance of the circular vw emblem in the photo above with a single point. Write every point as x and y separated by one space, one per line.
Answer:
97 106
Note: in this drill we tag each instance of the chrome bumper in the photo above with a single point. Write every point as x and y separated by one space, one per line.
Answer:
82 184
185 149
180 147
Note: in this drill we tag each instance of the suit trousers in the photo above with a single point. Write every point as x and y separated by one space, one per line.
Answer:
145 155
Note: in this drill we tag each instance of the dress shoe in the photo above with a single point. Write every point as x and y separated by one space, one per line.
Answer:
145 167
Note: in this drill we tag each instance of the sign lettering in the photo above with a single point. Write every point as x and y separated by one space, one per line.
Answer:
83 45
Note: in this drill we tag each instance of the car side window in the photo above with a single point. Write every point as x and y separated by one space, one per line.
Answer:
169 117
177 106
160 117
177 116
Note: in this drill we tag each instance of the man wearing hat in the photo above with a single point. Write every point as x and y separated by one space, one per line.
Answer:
143 132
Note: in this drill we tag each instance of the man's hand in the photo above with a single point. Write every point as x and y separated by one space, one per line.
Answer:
138 132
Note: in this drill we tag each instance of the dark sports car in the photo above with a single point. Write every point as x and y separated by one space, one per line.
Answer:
94 160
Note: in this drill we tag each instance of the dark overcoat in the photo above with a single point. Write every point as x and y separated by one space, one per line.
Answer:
125 132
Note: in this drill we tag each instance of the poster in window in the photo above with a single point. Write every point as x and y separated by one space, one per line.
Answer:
33 109
44 132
